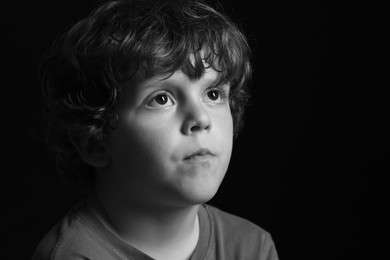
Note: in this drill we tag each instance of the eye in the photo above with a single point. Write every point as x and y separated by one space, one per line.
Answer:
213 95
216 95
162 99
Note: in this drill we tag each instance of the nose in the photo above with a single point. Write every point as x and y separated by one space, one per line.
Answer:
196 119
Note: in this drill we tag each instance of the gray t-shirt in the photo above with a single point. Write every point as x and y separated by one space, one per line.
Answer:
80 235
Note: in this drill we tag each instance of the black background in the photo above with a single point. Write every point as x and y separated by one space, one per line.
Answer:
309 164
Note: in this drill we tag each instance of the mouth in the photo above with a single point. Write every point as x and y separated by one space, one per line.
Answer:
201 154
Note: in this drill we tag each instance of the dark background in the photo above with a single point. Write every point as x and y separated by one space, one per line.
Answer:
309 164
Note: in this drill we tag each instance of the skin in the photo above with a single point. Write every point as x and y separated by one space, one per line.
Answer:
168 155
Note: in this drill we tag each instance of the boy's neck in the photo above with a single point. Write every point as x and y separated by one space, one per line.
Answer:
156 232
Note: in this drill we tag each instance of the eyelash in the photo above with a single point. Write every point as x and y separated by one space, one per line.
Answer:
223 94
160 93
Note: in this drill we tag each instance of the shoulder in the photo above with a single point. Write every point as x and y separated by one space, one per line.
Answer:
244 237
70 238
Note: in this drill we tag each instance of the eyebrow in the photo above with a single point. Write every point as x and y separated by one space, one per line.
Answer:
165 81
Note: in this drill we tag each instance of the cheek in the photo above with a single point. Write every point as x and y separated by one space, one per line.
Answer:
223 121
223 133
140 143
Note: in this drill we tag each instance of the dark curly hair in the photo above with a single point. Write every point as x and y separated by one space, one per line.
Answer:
83 72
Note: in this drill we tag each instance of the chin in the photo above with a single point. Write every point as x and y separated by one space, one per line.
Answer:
198 195
195 189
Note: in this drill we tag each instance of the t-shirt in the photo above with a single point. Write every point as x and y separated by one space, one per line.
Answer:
81 235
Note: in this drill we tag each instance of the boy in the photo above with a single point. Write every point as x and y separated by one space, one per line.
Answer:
143 99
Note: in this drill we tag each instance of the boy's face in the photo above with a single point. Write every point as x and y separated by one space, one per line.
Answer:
173 142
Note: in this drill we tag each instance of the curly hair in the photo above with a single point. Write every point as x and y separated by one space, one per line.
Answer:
82 74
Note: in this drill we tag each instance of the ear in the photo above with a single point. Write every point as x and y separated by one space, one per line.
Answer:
97 156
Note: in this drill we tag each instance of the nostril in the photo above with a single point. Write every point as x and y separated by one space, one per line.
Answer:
199 126
195 128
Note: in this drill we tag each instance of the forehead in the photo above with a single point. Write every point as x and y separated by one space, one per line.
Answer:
193 64
179 78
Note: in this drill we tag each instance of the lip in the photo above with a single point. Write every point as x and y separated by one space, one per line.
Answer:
199 155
